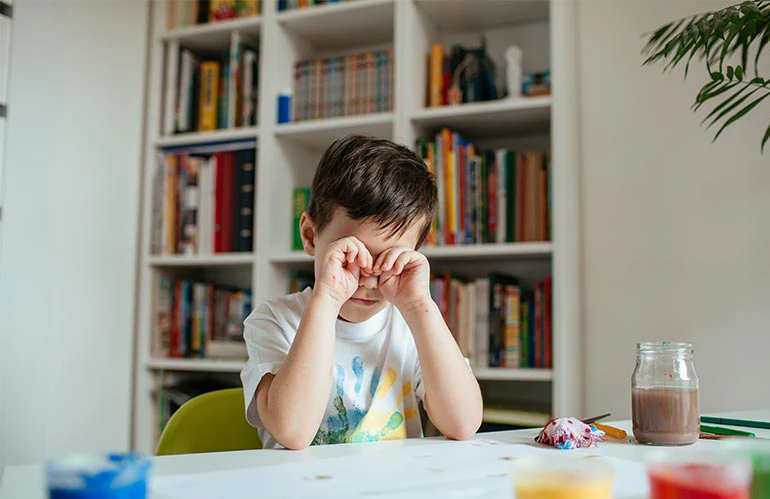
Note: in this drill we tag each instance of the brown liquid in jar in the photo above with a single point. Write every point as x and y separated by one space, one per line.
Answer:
665 416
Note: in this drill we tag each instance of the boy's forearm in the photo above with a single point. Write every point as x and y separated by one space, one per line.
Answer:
299 392
452 394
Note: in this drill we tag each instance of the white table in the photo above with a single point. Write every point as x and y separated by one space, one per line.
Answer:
27 482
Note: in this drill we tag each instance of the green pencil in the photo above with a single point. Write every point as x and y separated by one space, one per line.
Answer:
716 430
736 422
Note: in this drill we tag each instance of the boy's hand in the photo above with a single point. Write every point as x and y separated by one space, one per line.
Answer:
340 268
404 276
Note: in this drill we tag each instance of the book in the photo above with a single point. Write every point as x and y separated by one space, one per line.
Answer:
497 283
209 96
187 101
170 206
548 322
243 213
435 78
511 352
163 310
524 300
223 223
234 76
247 8
249 87
300 205
189 205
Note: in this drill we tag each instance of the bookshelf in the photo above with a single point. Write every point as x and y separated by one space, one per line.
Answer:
286 156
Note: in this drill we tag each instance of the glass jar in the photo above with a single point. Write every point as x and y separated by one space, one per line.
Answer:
664 394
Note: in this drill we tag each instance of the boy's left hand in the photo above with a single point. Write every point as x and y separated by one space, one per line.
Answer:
404 276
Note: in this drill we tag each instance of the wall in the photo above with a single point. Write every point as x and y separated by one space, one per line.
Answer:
69 228
675 232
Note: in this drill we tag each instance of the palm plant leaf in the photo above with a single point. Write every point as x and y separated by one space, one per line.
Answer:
714 38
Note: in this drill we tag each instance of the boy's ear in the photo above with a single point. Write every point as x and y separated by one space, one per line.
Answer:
308 233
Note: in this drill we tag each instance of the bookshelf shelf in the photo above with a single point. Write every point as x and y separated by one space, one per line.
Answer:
291 257
213 35
343 24
196 365
317 134
482 251
470 251
195 138
505 374
482 14
224 259
490 119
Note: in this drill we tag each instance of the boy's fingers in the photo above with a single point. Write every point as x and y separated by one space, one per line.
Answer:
402 261
391 258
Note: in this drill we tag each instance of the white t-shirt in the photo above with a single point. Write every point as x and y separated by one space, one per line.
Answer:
377 380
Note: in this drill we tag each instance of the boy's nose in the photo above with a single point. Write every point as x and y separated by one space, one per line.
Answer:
369 282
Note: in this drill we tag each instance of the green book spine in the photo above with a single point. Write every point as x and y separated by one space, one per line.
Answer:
301 201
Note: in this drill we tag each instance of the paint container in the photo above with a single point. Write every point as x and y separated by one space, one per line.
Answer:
757 451
701 475
98 476
559 477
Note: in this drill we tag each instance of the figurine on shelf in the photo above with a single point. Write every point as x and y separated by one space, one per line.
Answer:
513 71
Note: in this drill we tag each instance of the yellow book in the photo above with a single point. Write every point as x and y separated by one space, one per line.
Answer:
431 162
435 78
209 95
220 10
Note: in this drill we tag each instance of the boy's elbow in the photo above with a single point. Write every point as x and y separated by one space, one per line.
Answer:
464 431
295 442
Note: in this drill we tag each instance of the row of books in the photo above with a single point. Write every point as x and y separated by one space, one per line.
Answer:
203 202
303 4
487 196
215 94
343 86
496 321
182 13
199 319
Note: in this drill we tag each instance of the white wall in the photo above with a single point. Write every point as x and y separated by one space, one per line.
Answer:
69 227
676 233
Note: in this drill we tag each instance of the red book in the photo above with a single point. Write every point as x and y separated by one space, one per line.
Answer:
539 324
223 205
548 323
446 78
492 204
175 320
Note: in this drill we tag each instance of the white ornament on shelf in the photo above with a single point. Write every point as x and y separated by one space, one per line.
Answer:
513 71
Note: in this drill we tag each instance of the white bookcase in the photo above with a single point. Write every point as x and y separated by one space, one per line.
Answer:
288 153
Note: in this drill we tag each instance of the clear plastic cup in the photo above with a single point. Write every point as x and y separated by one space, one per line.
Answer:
701 475
562 477
98 476
757 451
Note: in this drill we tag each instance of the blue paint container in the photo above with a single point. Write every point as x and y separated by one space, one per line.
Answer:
98 476
284 108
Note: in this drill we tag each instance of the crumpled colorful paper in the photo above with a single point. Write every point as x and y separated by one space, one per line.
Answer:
569 433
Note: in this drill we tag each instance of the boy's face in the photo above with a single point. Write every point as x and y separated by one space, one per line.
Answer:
367 300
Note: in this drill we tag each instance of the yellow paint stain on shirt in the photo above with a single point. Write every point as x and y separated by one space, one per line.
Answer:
406 389
410 412
385 383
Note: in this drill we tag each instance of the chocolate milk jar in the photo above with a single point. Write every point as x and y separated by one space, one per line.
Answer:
664 394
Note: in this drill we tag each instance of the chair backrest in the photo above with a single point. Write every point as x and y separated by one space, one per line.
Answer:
212 422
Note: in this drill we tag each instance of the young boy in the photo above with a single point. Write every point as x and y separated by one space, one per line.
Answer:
349 359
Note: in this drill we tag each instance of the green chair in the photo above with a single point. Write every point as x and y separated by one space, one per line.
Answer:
212 422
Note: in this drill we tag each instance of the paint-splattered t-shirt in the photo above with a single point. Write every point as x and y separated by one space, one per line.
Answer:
377 378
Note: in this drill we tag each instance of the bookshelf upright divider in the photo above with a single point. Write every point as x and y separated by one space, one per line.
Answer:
286 156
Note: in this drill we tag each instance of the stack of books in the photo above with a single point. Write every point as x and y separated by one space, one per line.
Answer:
203 200
343 86
183 13
497 322
487 196
199 319
219 93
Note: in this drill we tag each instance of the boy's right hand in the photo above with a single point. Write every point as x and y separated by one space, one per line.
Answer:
340 268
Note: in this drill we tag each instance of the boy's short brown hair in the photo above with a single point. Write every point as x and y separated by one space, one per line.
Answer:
373 179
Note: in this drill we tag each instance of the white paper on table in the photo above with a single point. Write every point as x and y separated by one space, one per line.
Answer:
471 469
372 473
